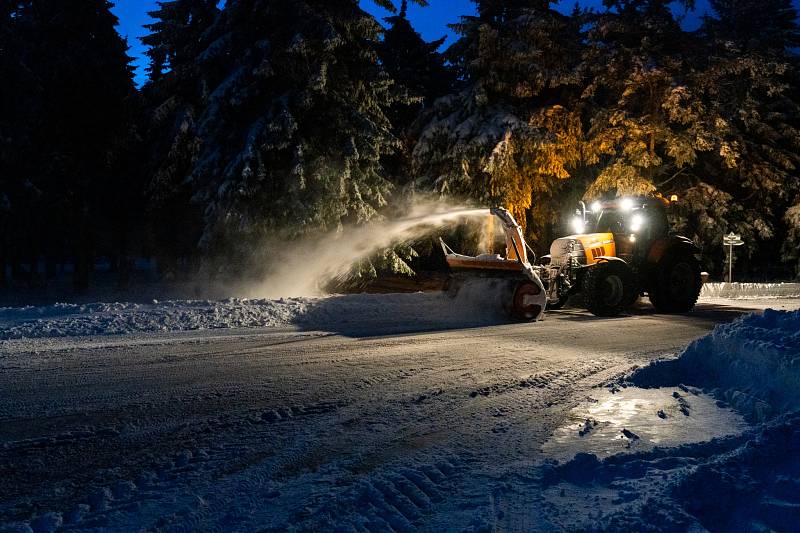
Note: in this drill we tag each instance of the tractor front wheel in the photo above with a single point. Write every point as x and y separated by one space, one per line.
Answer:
677 283
608 287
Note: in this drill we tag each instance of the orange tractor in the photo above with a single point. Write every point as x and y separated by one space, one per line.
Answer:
621 249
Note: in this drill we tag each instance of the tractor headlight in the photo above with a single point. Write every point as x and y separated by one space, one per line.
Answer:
596 207
626 204
577 225
637 222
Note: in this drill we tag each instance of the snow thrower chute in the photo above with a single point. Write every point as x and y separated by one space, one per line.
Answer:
525 297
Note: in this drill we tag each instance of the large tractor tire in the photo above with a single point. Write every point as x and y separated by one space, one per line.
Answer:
608 287
677 282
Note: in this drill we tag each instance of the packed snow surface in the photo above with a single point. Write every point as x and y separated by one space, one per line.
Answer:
478 303
415 422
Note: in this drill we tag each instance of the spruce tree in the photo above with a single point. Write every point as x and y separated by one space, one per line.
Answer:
766 25
88 82
17 109
176 35
750 80
74 72
290 125
483 142
415 66
175 91
648 126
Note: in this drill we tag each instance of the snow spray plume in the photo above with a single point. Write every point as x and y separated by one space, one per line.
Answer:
312 263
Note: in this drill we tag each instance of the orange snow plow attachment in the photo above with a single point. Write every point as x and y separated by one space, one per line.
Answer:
527 298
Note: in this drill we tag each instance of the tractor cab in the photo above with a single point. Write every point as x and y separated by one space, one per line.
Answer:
633 222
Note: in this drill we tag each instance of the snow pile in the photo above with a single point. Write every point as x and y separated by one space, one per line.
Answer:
476 304
747 482
68 320
750 290
752 363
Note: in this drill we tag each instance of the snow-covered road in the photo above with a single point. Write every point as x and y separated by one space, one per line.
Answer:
281 428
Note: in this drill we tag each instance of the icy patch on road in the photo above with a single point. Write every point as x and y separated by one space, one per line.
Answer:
747 482
635 420
476 304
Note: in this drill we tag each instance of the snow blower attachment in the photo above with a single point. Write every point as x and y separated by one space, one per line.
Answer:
524 295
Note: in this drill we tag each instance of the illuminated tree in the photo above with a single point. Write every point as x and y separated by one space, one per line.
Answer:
515 59
749 79
649 125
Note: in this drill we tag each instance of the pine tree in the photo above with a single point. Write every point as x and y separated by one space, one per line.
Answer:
652 123
515 59
175 91
64 115
766 25
82 70
17 106
750 80
415 66
648 126
290 125
176 35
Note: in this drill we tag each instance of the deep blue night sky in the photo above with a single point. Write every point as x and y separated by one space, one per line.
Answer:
431 21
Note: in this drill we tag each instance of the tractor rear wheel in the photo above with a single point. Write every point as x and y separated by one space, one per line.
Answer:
608 287
677 283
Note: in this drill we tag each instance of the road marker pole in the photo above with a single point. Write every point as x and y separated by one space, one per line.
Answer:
730 240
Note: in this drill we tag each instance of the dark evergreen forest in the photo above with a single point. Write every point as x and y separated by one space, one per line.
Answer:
295 117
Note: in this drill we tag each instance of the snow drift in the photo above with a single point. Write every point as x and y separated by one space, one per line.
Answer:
752 363
750 290
477 303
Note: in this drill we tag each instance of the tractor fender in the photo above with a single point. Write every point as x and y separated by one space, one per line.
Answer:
581 270
604 258
601 259
662 246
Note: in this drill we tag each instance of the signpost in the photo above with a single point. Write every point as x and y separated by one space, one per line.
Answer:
730 240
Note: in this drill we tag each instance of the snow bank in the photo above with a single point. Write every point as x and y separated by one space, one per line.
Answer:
67 320
750 290
476 304
752 363
748 482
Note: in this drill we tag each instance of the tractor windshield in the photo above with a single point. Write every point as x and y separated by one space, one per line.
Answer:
610 221
642 220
